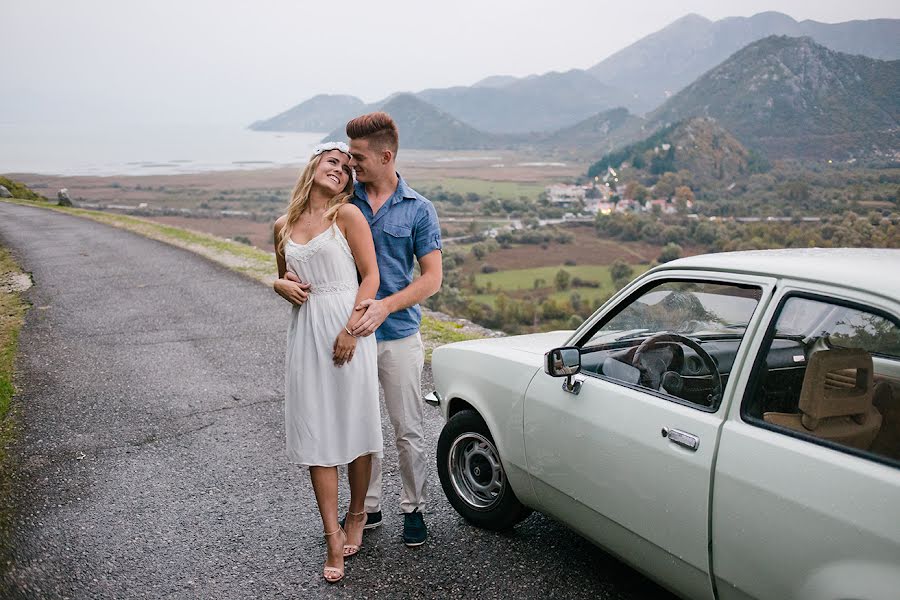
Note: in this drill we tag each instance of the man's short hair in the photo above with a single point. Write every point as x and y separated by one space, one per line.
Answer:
377 127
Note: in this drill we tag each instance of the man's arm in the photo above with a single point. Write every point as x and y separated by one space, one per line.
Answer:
288 285
426 285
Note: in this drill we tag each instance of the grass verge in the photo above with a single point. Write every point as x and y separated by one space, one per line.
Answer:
239 257
12 315
250 261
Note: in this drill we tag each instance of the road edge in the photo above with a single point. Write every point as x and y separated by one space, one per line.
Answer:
13 307
437 328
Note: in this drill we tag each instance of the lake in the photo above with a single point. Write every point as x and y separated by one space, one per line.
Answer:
83 149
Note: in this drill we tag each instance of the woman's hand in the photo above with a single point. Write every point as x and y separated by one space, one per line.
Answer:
344 347
292 289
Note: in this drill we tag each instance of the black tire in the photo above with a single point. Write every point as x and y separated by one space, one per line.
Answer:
472 476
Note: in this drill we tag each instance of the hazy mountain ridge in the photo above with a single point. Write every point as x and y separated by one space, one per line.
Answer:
779 95
319 113
666 61
422 126
541 103
594 136
791 97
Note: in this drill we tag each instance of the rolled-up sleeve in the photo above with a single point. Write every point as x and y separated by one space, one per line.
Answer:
427 233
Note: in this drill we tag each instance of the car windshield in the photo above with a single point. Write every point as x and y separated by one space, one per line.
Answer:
700 309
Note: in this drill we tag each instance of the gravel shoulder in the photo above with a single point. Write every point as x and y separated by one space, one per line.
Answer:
152 449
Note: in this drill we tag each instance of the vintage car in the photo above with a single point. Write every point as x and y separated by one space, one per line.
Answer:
728 424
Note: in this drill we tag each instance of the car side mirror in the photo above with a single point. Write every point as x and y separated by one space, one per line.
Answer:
562 362
565 362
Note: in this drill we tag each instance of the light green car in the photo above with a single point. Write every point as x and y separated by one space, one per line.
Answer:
728 424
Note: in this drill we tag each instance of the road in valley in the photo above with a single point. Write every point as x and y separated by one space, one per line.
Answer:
151 459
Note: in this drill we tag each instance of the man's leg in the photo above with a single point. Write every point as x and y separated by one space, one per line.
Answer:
373 494
400 364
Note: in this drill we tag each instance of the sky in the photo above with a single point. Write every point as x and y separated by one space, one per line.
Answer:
232 62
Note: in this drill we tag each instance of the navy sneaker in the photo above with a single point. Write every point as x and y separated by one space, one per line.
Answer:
373 520
414 531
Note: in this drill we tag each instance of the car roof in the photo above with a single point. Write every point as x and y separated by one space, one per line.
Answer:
872 269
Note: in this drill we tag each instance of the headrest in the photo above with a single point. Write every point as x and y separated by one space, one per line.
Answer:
837 383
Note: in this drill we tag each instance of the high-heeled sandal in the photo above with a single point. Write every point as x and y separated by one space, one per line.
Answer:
351 549
333 574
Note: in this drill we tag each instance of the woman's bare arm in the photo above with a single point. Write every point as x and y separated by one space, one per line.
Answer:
356 229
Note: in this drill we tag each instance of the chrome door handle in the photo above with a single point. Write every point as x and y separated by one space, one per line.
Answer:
682 438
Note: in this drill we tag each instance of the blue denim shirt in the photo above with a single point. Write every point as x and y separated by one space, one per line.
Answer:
405 228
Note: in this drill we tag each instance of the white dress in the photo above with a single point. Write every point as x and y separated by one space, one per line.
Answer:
332 414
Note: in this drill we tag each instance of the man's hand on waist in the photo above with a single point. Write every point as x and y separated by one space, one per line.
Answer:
376 313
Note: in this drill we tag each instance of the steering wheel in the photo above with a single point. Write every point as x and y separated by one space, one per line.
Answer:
671 380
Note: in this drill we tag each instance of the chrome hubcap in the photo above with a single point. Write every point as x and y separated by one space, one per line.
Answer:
475 471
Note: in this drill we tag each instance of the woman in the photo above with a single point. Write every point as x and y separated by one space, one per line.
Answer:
331 385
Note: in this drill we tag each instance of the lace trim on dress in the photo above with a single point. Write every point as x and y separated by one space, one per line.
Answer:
304 252
333 287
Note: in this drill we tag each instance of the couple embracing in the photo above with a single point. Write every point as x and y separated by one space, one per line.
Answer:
346 253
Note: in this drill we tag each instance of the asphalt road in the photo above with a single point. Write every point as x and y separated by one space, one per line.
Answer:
152 464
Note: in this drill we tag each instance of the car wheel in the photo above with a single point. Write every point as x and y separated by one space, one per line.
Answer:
472 475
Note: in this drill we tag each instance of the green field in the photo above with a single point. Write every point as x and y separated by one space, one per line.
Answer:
523 279
497 189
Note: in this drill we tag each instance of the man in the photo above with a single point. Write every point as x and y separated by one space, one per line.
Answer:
405 229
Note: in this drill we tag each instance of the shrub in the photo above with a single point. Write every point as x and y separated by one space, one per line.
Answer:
669 252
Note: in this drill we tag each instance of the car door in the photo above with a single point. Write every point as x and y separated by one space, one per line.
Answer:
626 465
812 501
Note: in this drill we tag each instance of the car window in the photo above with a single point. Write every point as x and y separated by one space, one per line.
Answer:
675 338
830 373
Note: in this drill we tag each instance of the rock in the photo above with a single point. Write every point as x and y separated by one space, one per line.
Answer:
62 197
4 193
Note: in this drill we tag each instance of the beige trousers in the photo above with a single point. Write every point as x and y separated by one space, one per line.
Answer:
400 364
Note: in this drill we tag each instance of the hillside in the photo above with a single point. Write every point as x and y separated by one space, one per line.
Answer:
595 135
319 113
700 146
539 103
422 126
791 97
660 64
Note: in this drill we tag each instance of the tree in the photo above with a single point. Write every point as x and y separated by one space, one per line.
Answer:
636 191
669 252
665 187
620 272
563 279
479 251
684 198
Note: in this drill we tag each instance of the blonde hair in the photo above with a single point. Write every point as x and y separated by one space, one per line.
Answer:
300 201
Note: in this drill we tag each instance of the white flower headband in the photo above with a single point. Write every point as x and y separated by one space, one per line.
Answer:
328 146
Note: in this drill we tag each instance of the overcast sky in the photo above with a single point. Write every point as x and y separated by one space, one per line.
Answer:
229 62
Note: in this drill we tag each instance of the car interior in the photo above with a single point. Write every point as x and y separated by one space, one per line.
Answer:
830 371
677 338
837 378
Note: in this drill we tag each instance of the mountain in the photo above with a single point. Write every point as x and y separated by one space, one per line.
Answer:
537 103
422 126
594 136
660 64
319 113
698 145
495 81
791 97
